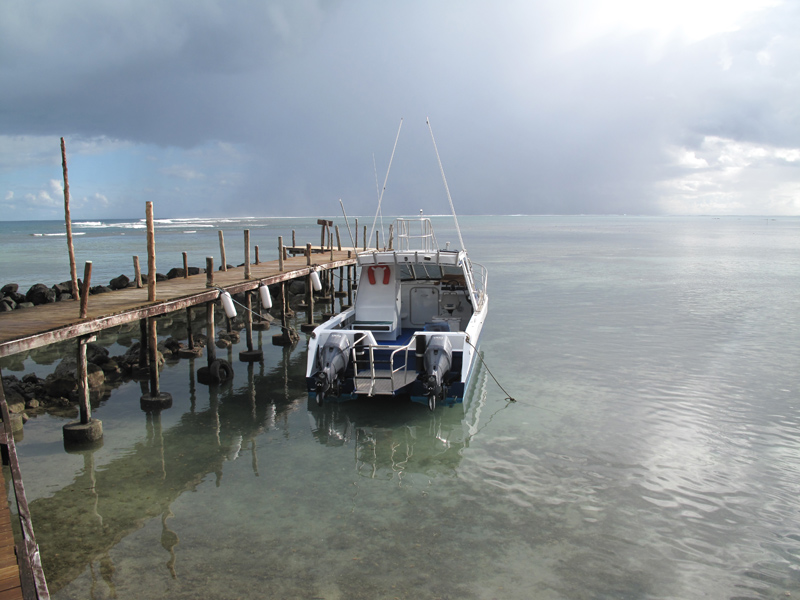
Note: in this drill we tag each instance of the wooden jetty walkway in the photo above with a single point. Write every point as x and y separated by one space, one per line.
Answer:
21 573
45 324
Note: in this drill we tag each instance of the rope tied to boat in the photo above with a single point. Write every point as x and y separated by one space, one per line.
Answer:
508 397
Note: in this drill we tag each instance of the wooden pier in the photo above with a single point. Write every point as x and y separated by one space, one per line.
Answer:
21 573
45 324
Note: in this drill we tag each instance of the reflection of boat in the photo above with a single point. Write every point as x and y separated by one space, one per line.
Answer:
414 327
394 439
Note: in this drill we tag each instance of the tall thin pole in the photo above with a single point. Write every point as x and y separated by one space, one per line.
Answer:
76 293
151 254
391 158
446 188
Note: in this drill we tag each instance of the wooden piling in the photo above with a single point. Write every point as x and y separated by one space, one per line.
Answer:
155 400
308 254
294 242
247 254
209 271
152 344
280 253
250 355
356 240
87 281
86 430
73 269
185 265
257 260
338 240
151 255
142 344
224 264
211 348
365 238
137 272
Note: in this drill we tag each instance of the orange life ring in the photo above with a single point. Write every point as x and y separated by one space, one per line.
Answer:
387 274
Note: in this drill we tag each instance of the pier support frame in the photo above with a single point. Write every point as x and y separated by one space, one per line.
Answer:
155 400
86 430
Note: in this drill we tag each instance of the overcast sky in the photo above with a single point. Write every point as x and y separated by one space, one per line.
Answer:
259 108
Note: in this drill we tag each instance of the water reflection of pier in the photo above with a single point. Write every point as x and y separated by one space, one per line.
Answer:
103 506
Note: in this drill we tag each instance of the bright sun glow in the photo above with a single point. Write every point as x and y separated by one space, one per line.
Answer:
692 19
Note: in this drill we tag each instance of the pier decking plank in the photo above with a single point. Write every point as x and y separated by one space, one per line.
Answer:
25 329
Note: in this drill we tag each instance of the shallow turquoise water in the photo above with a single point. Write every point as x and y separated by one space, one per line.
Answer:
653 451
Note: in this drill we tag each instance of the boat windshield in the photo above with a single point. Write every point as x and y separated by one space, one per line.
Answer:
410 272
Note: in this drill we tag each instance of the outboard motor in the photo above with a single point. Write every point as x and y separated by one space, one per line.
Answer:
332 360
438 358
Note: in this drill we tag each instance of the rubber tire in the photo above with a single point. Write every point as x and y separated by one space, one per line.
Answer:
432 402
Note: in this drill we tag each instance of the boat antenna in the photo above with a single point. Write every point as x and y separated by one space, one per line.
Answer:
391 158
378 192
447 189
347 223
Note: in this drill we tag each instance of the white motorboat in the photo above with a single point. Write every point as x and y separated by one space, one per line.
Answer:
413 329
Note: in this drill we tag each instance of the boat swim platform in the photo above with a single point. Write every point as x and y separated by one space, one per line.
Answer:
29 328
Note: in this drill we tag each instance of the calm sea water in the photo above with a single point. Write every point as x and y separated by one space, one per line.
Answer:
653 451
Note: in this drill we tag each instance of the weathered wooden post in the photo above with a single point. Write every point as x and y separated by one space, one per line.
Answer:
155 400
151 255
365 238
338 240
249 355
247 254
224 264
257 259
209 271
86 430
142 346
330 243
211 348
185 265
137 272
356 240
73 269
294 242
308 254
280 253
87 282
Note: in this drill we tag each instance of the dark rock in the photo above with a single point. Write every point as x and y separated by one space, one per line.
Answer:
175 273
30 378
65 296
25 305
16 297
7 305
297 287
39 293
9 288
100 289
97 354
119 283
196 270
171 345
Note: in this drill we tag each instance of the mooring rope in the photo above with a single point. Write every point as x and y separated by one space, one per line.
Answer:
509 397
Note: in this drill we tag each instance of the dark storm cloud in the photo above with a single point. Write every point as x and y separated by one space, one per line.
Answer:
529 116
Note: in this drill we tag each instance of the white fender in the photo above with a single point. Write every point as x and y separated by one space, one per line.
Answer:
266 299
227 304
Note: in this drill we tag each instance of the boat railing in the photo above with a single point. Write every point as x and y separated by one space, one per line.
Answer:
374 374
415 234
480 277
